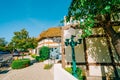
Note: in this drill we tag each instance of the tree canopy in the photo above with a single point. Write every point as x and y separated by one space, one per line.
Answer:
105 13
22 41
3 44
88 11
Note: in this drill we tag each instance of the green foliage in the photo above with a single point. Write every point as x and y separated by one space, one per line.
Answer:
2 42
79 72
81 8
20 63
11 46
48 66
2 48
44 52
39 59
85 11
22 41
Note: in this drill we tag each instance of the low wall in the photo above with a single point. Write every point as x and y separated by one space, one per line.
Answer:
61 74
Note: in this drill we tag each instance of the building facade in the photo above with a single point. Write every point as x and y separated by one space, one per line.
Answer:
96 55
52 39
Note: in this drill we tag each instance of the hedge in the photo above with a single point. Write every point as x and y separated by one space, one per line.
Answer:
20 63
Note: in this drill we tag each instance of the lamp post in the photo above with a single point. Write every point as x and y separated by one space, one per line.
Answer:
72 43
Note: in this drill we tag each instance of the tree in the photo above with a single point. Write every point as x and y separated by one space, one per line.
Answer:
102 12
3 44
44 52
10 46
21 41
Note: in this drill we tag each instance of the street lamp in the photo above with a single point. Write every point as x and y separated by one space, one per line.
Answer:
72 43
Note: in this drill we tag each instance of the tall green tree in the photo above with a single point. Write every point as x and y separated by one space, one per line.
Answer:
22 41
106 13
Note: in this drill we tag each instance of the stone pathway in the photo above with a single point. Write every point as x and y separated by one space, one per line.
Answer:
33 72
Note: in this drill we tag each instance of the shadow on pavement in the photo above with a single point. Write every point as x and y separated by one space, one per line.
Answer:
4 71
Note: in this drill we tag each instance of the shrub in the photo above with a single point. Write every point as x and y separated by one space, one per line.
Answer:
44 52
39 59
20 63
79 72
48 66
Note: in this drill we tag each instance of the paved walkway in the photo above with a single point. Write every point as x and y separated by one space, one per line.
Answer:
33 72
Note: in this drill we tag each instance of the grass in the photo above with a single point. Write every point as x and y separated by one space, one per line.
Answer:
48 66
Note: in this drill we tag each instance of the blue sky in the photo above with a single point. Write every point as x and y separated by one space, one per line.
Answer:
33 15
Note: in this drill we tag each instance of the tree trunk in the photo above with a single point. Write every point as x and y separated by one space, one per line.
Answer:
115 37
